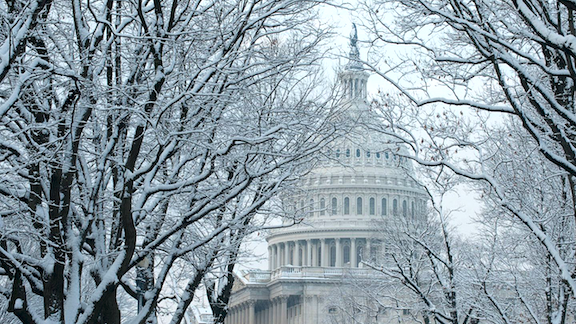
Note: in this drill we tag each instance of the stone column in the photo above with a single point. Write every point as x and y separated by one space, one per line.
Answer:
276 311
323 253
308 253
286 253
306 302
269 318
251 312
297 314
269 258
338 253
314 309
260 317
297 253
283 310
278 256
271 312
246 314
314 255
353 259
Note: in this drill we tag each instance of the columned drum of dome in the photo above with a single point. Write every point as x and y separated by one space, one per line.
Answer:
343 201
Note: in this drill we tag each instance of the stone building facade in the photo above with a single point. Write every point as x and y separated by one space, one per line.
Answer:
343 199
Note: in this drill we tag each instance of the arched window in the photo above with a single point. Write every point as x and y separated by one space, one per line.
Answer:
394 207
347 153
377 155
334 206
338 153
346 254
322 206
346 206
367 153
359 206
319 259
384 207
311 208
357 153
372 207
404 208
386 155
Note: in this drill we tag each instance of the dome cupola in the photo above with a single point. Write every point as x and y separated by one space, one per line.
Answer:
354 78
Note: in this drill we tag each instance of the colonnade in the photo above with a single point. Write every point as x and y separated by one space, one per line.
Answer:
355 87
324 252
275 311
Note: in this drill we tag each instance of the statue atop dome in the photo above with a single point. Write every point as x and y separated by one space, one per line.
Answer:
354 37
354 55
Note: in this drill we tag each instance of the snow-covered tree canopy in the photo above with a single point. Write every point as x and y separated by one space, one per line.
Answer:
141 135
459 70
511 58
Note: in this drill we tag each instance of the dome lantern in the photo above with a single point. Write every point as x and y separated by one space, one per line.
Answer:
354 78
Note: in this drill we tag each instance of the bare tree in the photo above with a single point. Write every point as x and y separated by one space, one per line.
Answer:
426 272
421 266
503 275
518 263
485 60
138 137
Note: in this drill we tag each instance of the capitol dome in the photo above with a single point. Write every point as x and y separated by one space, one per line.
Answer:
364 182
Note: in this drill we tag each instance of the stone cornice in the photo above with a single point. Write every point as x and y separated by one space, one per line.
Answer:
347 188
293 235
